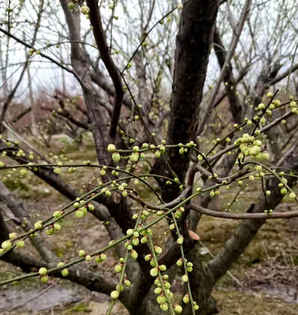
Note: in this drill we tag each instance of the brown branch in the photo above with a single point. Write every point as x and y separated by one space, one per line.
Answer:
4 232
189 79
23 261
57 63
101 211
243 72
247 230
222 55
101 42
283 75
165 206
19 211
235 40
21 115
244 216
276 121
66 114
95 281
25 66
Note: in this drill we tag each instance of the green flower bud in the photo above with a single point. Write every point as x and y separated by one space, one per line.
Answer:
82 253
71 5
111 148
85 10
284 191
134 157
44 279
12 236
135 241
20 243
43 271
60 264
102 172
57 226
148 257
157 290
161 299
129 232
38 225
164 307
178 309
116 157
180 240
57 214
134 254
76 205
144 240
103 257
91 207
79 214
6 245
196 306
154 272
292 195
118 268
124 193
114 295
158 250
186 299
64 272
157 154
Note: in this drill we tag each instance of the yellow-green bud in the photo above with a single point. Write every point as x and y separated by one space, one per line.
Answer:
178 309
114 295
43 271
116 157
154 272
6 245
38 225
64 272
111 148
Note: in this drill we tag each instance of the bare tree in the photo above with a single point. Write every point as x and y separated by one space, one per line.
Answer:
240 154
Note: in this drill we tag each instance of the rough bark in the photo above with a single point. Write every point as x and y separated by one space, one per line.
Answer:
221 54
206 112
193 44
100 38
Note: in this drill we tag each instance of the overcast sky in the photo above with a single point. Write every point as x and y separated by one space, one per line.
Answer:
46 77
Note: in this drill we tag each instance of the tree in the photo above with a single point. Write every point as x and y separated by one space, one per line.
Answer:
239 155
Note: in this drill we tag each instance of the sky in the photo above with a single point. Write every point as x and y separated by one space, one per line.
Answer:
126 33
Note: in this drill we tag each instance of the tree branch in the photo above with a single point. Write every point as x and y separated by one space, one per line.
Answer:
114 73
230 88
247 230
235 40
25 66
19 211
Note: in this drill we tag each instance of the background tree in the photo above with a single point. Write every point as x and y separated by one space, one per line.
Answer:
126 116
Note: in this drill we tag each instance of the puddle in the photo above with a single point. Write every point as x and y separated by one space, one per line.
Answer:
285 293
34 300
288 294
45 298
